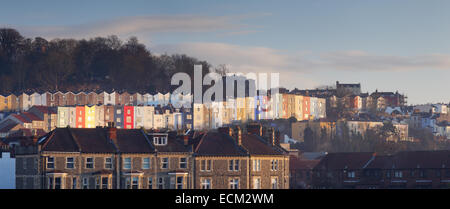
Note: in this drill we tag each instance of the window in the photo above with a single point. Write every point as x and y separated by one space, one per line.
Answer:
50 162
398 174
85 183
146 163
57 182
164 163
351 174
135 183
180 182
256 165
160 183
274 182
105 183
160 140
89 162
119 111
97 183
150 183
70 163
118 120
233 165
183 162
108 163
256 182
128 183
234 183
74 182
128 119
127 163
206 183
274 165
205 165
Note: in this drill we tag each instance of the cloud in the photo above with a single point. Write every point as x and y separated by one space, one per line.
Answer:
304 66
128 26
362 61
244 59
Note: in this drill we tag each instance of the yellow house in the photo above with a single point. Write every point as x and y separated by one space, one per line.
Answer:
89 116
240 109
298 111
250 108
12 102
3 103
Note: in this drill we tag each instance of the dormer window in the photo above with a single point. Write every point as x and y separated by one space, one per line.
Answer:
160 140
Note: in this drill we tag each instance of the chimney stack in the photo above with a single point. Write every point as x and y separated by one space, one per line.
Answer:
112 133
35 139
274 137
255 129
186 139
226 130
238 135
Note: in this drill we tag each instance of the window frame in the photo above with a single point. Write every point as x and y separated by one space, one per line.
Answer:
108 163
165 163
67 162
86 163
146 165
52 163
185 163
125 163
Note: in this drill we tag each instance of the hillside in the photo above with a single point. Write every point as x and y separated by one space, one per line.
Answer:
101 63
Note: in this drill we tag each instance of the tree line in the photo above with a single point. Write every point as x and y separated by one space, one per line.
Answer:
101 63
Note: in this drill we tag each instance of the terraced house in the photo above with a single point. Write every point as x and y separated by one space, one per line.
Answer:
111 158
367 170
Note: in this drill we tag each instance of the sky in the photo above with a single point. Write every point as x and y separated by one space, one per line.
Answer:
386 45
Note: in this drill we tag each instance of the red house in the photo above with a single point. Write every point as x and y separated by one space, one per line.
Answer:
80 114
128 117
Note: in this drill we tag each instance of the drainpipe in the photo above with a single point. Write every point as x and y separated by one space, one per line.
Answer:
118 163
248 172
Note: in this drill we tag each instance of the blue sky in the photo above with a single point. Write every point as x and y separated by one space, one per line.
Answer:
385 45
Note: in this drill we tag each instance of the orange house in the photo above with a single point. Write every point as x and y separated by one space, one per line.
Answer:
80 116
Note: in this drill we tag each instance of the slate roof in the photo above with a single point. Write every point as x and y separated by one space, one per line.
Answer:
133 141
345 160
303 164
45 109
77 140
31 116
216 143
21 118
256 145
422 159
